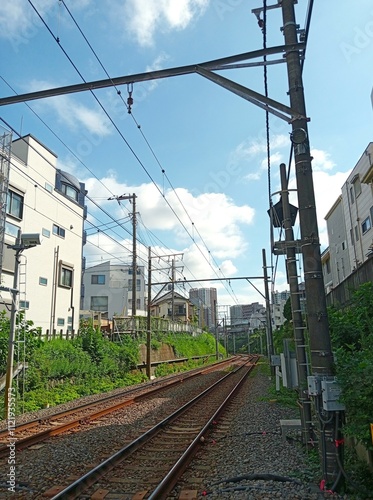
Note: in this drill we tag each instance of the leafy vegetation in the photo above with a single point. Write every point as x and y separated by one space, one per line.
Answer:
352 339
62 370
24 332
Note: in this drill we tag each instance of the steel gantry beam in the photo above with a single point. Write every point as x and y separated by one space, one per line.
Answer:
216 64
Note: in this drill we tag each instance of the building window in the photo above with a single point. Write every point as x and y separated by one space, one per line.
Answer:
14 204
43 281
365 225
138 271
69 320
352 237
24 304
98 279
327 264
49 187
343 245
46 232
60 322
138 285
356 233
66 275
138 303
11 229
59 231
357 185
352 195
99 303
69 191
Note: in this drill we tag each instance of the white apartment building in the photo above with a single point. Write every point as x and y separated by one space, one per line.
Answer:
350 220
242 313
107 288
338 266
279 300
42 199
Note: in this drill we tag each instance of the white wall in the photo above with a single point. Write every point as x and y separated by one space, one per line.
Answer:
50 304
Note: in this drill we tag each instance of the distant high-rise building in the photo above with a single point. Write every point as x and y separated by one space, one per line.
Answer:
242 313
205 302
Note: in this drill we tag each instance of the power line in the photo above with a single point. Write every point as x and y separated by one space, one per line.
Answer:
122 136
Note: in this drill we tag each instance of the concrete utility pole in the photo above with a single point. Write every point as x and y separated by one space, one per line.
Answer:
148 318
173 289
320 345
269 333
298 324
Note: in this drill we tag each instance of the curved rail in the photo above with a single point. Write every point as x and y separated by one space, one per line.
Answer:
222 391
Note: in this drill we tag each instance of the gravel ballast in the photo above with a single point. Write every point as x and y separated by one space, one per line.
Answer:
248 449
253 447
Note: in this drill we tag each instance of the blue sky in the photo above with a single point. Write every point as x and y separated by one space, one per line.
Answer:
200 151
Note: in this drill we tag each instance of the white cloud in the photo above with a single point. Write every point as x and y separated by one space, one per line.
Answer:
143 18
19 22
321 160
71 112
327 188
252 155
210 216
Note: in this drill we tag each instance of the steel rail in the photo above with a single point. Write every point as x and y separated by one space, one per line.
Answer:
63 427
171 478
77 487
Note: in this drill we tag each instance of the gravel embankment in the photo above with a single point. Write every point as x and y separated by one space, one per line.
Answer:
253 445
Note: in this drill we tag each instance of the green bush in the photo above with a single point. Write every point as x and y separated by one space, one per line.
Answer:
24 332
352 339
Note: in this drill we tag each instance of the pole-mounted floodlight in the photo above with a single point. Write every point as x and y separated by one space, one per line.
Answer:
23 242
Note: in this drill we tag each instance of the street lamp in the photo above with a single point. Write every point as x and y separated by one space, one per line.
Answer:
23 242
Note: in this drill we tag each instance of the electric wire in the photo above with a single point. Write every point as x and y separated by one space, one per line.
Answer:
124 139
115 221
306 35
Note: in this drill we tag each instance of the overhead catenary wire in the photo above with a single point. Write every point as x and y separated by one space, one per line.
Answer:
97 228
128 145
307 25
143 135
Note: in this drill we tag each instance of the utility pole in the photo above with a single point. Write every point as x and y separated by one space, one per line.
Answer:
320 344
298 323
132 199
148 318
173 289
269 334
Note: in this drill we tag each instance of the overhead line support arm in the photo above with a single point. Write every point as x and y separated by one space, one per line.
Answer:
151 75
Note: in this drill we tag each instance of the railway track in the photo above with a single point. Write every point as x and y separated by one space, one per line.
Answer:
38 430
149 467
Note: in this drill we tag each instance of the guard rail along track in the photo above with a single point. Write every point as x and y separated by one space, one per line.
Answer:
37 430
149 467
